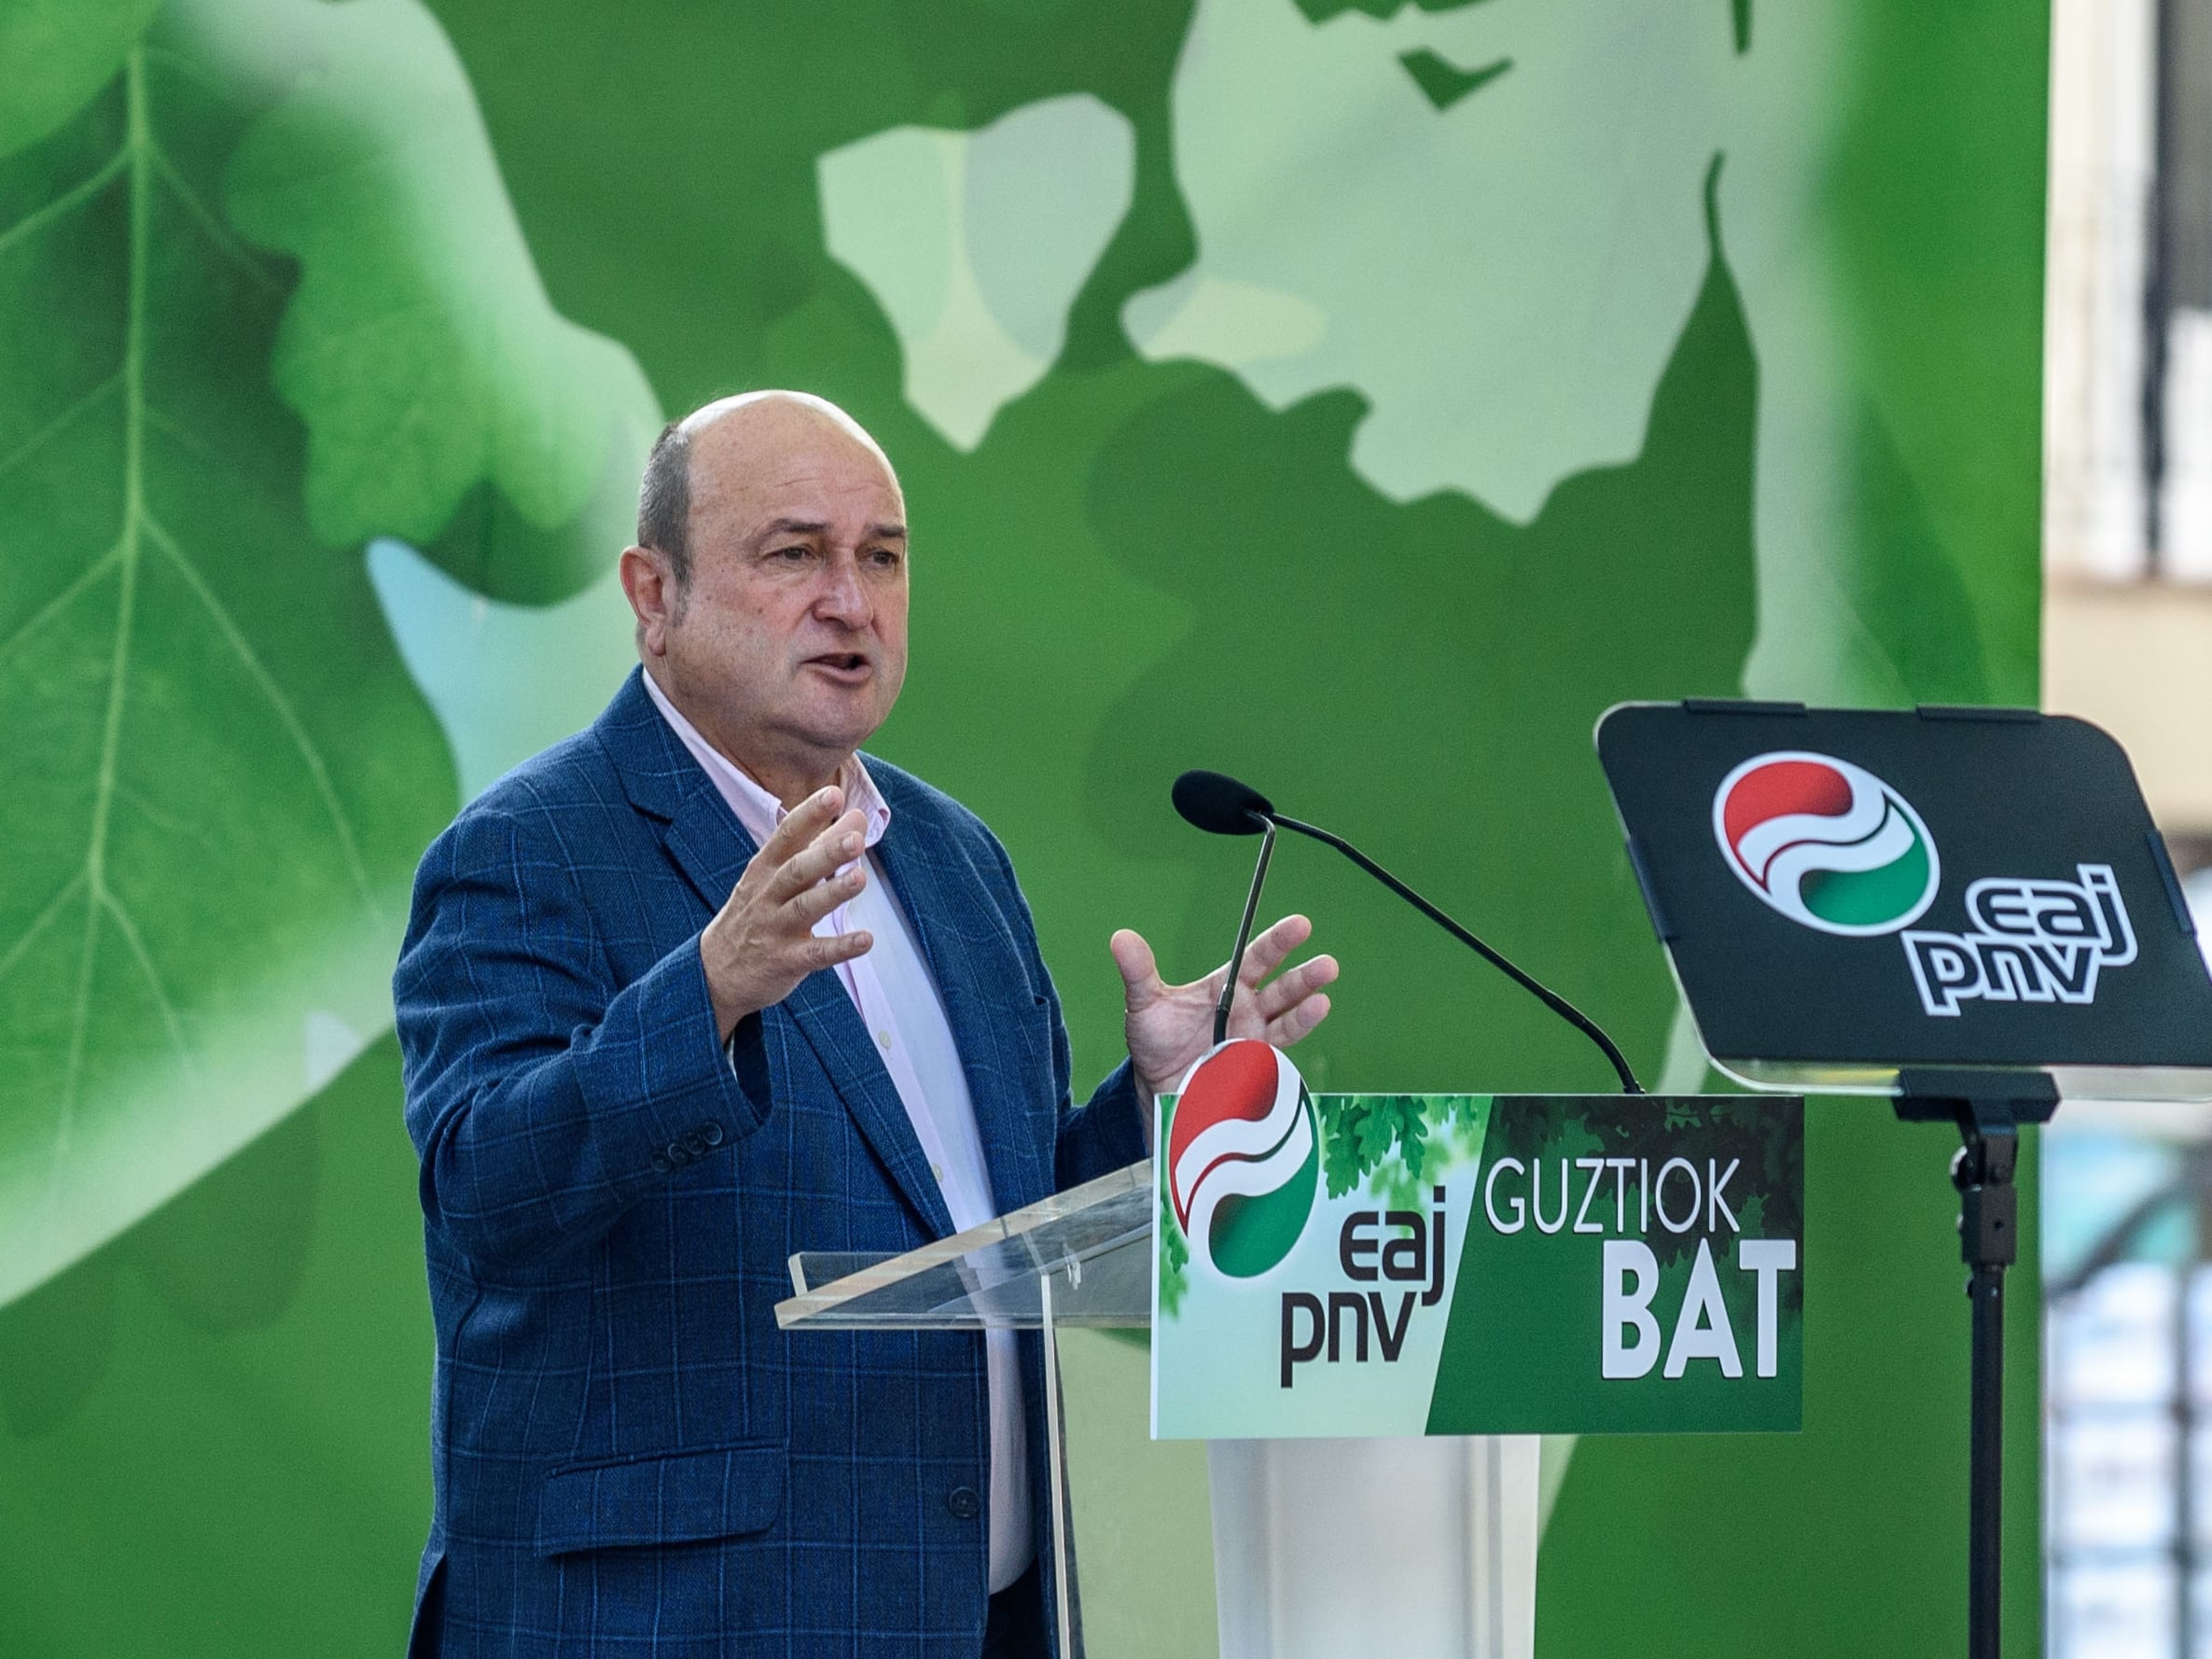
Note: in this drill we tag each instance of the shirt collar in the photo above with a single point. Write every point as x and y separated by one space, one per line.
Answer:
758 813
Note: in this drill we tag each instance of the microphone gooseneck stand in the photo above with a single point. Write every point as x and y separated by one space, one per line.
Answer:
1244 935
1220 805
1544 994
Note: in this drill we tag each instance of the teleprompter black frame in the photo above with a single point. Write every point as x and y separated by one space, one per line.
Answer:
2004 794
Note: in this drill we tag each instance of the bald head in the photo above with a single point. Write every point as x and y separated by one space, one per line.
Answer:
770 583
740 432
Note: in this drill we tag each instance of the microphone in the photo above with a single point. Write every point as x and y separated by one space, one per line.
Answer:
1220 805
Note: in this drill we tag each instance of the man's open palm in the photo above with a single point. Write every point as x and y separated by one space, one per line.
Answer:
1170 1026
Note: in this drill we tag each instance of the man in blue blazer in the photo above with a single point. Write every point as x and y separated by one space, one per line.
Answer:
698 988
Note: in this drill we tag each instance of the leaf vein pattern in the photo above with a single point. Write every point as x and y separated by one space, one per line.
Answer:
39 922
67 202
60 602
219 236
129 929
167 822
135 150
185 439
265 682
53 429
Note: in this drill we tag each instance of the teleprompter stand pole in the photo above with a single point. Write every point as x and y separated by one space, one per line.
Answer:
1988 1108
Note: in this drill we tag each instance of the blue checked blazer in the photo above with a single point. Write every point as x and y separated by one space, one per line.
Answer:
630 1458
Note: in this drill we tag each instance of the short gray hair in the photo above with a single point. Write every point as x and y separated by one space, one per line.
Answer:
664 501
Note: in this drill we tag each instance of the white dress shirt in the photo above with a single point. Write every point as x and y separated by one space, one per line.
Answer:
897 1001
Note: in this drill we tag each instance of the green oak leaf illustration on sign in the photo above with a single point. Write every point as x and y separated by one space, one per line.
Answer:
1174 1257
1361 1130
262 298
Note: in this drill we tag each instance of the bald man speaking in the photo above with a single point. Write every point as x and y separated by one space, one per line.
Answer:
703 986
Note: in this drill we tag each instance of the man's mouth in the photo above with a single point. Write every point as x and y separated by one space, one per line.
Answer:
849 667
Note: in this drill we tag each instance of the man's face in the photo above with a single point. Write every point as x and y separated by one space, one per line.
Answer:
790 646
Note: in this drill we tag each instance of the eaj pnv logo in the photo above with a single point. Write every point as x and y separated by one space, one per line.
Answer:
1826 842
1244 1158
1832 847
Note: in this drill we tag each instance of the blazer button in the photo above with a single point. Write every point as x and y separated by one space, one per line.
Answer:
712 1132
676 1154
963 1503
661 1164
695 1144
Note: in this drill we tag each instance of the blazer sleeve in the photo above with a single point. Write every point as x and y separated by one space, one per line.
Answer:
1108 1131
542 1099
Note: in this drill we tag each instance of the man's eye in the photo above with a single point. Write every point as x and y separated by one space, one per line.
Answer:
792 554
887 557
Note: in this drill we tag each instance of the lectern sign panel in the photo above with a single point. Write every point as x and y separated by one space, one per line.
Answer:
1400 1264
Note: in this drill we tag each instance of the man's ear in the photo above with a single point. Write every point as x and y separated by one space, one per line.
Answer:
650 585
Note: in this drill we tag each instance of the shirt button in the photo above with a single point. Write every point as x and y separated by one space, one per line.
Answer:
963 1503
938 1171
883 1042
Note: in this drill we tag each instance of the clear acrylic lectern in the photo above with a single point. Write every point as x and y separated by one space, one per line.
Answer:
1083 1256
1446 1527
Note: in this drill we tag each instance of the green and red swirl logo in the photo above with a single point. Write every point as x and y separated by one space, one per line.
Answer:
1826 842
1244 1158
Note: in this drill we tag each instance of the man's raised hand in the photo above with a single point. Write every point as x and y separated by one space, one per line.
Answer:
762 942
1170 1027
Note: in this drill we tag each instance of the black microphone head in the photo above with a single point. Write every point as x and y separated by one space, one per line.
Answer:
1220 805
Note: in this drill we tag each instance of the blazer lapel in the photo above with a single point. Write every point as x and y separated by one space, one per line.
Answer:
823 1012
712 850
984 1016
707 844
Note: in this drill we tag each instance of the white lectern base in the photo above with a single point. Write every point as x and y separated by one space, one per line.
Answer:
1343 1549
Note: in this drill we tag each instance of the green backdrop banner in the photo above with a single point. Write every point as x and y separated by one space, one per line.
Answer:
1357 396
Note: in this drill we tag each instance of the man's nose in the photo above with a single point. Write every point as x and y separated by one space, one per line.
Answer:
842 598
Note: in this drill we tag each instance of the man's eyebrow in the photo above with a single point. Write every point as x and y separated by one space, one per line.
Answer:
776 527
890 530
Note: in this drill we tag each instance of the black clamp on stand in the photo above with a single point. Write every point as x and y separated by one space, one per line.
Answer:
1988 1108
